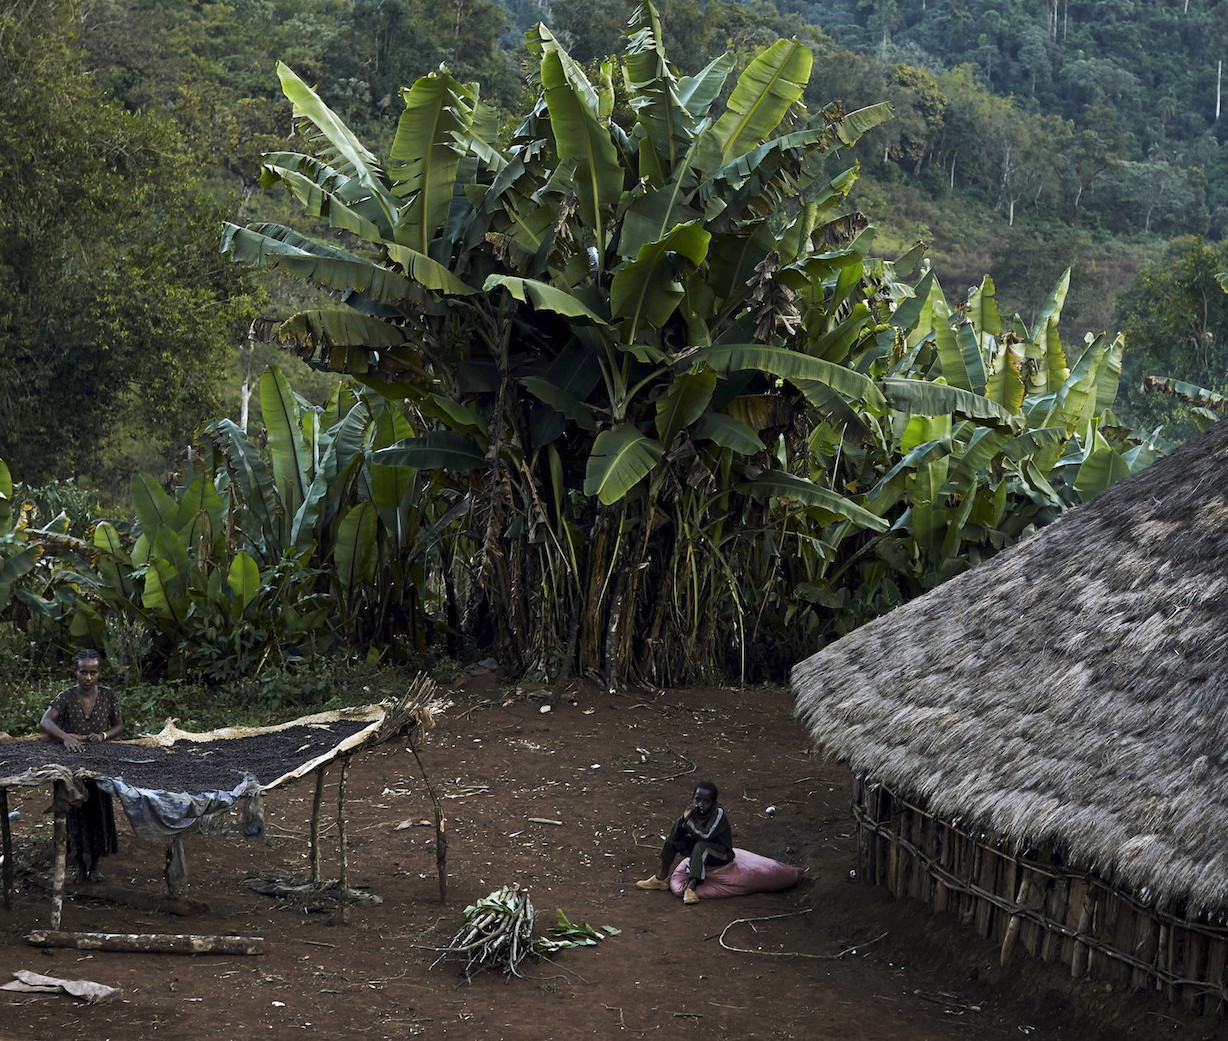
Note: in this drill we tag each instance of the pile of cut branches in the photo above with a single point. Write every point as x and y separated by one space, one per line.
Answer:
498 933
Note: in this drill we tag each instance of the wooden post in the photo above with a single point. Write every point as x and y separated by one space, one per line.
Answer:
942 851
1079 956
315 825
59 840
6 843
343 875
1012 927
441 835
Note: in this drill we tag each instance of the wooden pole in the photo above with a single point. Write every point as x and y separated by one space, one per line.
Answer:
1012 927
150 943
59 840
343 878
441 836
315 825
6 843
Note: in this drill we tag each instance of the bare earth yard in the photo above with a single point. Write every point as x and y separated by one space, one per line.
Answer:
829 959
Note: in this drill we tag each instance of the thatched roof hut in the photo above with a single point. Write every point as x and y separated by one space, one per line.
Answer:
1069 694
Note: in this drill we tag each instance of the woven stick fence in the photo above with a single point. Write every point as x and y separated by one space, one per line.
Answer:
1030 902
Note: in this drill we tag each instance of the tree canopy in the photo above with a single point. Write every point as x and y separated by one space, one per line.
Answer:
116 318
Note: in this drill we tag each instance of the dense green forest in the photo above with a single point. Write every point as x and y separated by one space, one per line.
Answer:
610 371
1025 140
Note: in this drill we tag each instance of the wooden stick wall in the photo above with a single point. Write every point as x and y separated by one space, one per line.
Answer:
1029 902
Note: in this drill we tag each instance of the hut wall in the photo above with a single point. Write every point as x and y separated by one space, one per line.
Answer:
1032 905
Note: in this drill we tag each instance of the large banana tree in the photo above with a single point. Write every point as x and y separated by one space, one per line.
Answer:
627 345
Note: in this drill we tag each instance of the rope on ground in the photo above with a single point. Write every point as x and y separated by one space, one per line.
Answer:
788 954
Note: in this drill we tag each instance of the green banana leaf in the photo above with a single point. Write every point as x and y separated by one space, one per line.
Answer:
356 160
685 402
920 398
727 432
153 507
789 365
557 398
326 267
6 498
290 454
653 92
426 153
646 290
315 198
544 296
327 329
852 125
765 92
354 553
14 566
440 449
581 137
113 564
698 92
243 579
621 458
783 485
1103 468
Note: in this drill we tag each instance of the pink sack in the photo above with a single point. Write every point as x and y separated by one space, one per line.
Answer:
747 873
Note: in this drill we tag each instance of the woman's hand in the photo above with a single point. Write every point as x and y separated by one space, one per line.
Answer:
72 743
96 737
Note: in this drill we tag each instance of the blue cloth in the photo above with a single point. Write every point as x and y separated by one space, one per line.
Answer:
158 815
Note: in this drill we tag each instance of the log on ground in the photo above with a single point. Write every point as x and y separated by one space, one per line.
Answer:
149 943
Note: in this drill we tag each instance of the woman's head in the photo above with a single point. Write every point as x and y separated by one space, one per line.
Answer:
87 665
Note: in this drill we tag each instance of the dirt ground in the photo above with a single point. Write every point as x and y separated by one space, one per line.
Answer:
829 959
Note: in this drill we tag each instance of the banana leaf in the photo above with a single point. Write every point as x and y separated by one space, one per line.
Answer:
621 458
358 162
581 137
288 450
354 553
783 485
921 398
243 579
646 290
440 449
544 296
765 92
426 153
787 364
685 402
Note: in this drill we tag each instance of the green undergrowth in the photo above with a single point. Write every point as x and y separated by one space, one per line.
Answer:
275 696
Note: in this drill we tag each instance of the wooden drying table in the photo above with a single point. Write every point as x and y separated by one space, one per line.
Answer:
210 762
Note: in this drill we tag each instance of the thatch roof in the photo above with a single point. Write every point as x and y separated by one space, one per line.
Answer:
1072 689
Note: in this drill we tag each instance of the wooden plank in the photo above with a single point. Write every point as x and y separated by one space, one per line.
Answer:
1032 933
918 873
316 803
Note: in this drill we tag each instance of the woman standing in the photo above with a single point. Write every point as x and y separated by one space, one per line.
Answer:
84 714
